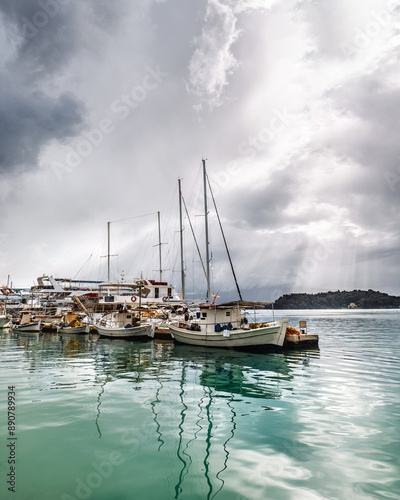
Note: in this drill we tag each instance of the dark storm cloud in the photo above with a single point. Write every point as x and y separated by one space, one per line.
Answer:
48 33
264 205
44 34
30 119
43 38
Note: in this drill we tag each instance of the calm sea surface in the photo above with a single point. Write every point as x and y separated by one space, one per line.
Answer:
121 420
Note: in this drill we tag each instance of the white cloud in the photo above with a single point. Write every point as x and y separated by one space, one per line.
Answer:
311 132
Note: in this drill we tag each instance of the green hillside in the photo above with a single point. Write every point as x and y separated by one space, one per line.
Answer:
362 299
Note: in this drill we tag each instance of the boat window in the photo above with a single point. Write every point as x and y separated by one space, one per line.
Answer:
204 315
156 293
169 292
228 313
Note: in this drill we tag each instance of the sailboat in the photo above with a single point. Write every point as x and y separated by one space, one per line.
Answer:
152 292
222 325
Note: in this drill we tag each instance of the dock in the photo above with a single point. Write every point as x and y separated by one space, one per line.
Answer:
298 341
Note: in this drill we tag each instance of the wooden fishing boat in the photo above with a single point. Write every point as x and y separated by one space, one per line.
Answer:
123 323
223 326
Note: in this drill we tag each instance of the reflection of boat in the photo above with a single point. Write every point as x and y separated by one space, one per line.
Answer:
188 451
236 372
222 326
123 324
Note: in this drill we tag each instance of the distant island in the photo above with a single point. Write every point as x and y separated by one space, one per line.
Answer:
357 299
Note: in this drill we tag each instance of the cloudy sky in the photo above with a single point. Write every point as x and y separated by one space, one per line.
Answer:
294 103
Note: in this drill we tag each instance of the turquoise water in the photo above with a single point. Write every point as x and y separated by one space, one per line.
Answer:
120 420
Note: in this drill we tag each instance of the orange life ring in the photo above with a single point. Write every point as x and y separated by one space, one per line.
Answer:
133 298
51 304
165 299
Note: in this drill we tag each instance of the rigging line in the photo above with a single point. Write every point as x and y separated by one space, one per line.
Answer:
134 217
223 236
91 255
84 264
197 246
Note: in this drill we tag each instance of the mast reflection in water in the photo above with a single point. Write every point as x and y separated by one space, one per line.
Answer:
101 418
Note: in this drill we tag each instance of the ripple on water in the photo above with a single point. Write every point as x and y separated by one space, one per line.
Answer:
194 423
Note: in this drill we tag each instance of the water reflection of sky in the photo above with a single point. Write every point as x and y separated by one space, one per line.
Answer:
216 423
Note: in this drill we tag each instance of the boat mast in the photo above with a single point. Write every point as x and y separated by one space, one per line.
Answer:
108 251
209 294
159 243
181 242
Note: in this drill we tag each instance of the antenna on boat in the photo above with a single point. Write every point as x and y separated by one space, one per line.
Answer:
209 294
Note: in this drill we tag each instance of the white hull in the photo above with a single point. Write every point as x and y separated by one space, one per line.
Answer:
74 329
132 331
270 336
29 327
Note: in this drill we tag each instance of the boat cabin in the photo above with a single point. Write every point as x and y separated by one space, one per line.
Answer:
219 317
145 291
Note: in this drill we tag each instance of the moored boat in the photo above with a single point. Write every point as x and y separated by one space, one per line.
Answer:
27 323
148 292
73 323
223 326
123 323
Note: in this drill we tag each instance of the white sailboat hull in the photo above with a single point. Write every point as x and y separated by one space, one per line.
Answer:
133 331
270 336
